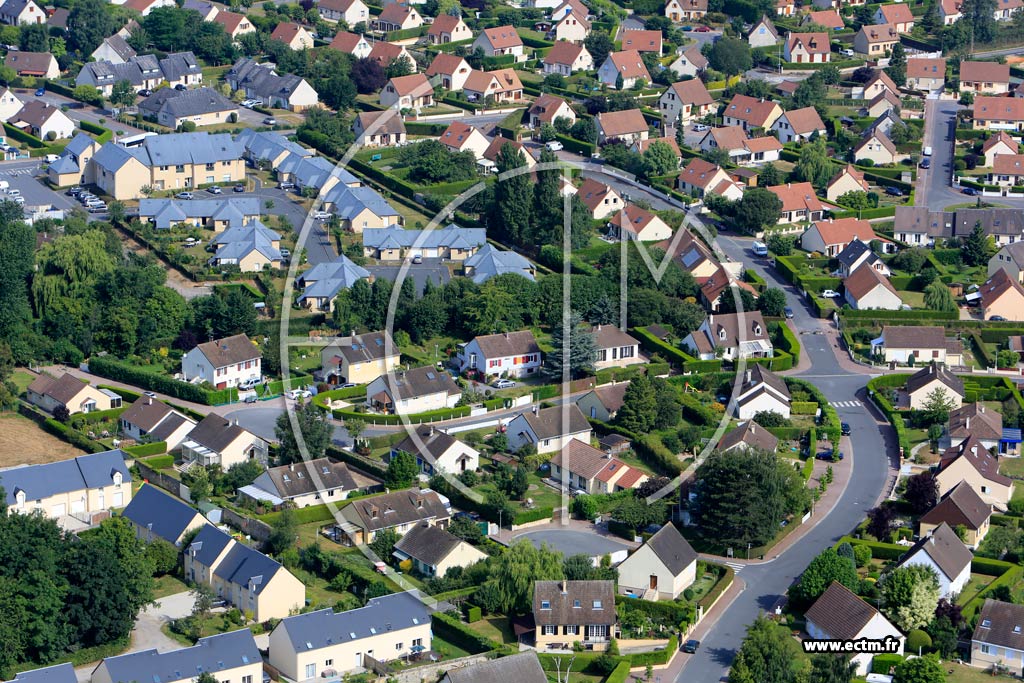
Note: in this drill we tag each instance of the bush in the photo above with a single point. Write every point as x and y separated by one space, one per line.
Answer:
918 641
862 555
473 613
460 635
883 664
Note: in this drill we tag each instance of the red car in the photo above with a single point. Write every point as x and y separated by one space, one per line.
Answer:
702 29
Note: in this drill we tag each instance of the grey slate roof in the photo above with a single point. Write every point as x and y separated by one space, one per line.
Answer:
854 251
178 65
427 543
507 343
247 567
216 432
60 673
321 474
84 472
182 103
421 381
451 236
314 171
367 347
146 413
325 280
490 262
962 505
262 81
212 654
596 602
208 544
120 46
931 372
160 512
519 668
246 239
326 628
547 422
945 549
349 202
79 144
1000 624
65 164
672 549
172 149
112 156
165 213
751 434
268 145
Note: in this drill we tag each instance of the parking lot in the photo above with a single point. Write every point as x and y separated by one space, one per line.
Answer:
431 268
21 175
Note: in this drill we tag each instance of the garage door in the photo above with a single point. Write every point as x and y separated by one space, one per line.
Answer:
58 510
77 506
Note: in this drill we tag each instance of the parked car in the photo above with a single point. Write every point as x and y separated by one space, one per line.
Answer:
555 146
847 52
830 294
998 319
286 186
925 163
72 192
145 92
690 646
251 398
687 28
893 191
702 29
40 92
347 385
214 189
270 121
180 86
149 393
844 429
299 393
830 456
969 191
700 127
323 215
503 384
184 195
788 311
286 253
95 208
239 188
417 259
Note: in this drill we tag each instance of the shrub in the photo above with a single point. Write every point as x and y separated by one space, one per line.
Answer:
604 664
883 664
862 555
918 641
473 613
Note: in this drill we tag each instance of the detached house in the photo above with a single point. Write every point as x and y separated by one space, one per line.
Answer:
498 41
603 403
154 514
230 657
808 48
567 58
686 101
407 92
544 428
437 451
449 71
502 85
506 354
1007 170
839 614
216 440
763 33
433 551
622 70
642 41
1009 258
351 12
294 36
244 577
998 638
380 128
398 17
43 121
868 289
998 144
1002 295
581 467
685 10
876 146
742 150
397 510
949 10
748 112
634 223
762 390
829 18
600 199
20 12
974 420
351 44
904 343
738 335
857 254
689 63
971 462
151 420
797 125
548 109
49 393
999 113
412 391
749 436
897 15
384 53
699 178
448 28
799 202
989 78
462 137
35 64
628 125
310 482
235 25
307 646
849 179
934 377
876 40
926 74
569 611
960 507
660 569
359 359
573 28
615 348
87 487
833 236
223 363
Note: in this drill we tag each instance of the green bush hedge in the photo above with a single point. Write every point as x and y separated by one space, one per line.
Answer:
472 612
73 437
696 412
788 433
527 516
656 657
143 449
880 551
460 635
619 674
587 149
103 135
1008 579
122 371
804 407
81 420
725 578
883 664
651 343
989 567
415 418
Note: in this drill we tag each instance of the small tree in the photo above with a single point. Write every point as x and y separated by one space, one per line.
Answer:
922 489
402 470
284 532
1007 359
772 302
937 297
936 407
383 544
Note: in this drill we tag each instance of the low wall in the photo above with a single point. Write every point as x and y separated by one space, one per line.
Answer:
431 672
164 481
257 530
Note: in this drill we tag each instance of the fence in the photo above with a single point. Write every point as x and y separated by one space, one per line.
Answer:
164 481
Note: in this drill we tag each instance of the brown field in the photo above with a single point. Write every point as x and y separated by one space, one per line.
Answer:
22 442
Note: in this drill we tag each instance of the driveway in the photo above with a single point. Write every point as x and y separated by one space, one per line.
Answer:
22 176
574 542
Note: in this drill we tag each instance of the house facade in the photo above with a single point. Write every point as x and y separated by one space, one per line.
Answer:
839 614
49 393
545 430
224 363
581 467
997 638
437 451
359 359
412 391
86 487
569 611
507 354
661 568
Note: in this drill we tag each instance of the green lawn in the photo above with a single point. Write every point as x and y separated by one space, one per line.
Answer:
21 379
961 673
447 649
912 299
167 585
1012 467
496 628
975 585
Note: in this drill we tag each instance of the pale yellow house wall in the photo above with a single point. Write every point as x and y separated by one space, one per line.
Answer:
343 656
961 470
636 570
284 595
971 539
463 556
89 499
920 397
1010 305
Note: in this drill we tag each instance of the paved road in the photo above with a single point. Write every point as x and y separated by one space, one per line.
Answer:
767 583
574 542
318 245
79 112
1019 50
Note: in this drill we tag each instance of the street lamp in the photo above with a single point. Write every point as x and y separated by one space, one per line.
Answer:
748 551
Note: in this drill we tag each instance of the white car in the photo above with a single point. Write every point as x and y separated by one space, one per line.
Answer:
323 215
555 146
830 294
299 393
503 384
184 195
214 189
700 127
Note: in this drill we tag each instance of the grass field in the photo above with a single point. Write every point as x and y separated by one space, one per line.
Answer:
23 442
1012 467
975 585
21 379
961 673
495 628
167 585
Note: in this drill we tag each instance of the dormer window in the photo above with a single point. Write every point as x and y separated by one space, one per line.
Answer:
117 478
986 623
598 604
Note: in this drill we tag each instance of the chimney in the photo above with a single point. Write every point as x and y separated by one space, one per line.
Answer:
967 423
291 467
981 408
149 400
747 376
506 334
565 586
753 426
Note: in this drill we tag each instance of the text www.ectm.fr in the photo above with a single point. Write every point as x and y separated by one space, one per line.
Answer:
889 645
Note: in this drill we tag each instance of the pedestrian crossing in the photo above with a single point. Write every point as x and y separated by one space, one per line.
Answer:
19 171
846 404
736 566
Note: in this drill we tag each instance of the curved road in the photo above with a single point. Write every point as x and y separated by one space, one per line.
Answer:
872 443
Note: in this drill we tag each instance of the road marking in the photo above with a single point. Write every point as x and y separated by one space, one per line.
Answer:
846 404
736 566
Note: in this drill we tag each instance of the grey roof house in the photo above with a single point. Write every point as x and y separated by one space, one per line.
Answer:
203 106
225 655
212 214
434 551
81 487
359 208
398 510
519 668
260 81
322 283
268 146
306 483
157 514
490 262
451 242
251 247
59 673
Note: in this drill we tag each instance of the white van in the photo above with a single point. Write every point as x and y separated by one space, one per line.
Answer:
51 158
4 185
927 151
759 249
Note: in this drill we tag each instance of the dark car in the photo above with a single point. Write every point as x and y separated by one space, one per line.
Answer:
145 92
788 311
969 191
180 86
893 191
844 429
831 456
925 163
690 646
998 319
40 92
239 188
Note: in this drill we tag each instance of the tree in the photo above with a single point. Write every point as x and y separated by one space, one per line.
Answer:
770 418
772 302
599 44
910 260
979 15
768 655
466 529
936 407
34 38
729 55
659 159
667 408
920 670
197 479
810 90
910 594
88 24
123 94
931 22
639 513
402 470
832 669
880 522
827 567
757 209
513 574
897 68
548 204
781 245
584 506
383 544
975 248
922 492
510 211
769 175
1007 359
582 350
314 430
638 406
284 532
815 165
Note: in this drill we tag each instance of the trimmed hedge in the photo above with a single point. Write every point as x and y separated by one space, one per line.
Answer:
804 407
904 316
882 664
990 567
143 449
657 656
725 578
619 674
577 146
122 371
1008 578
696 412
73 437
103 135
372 467
460 635
881 551
472 612
889 382
527 516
